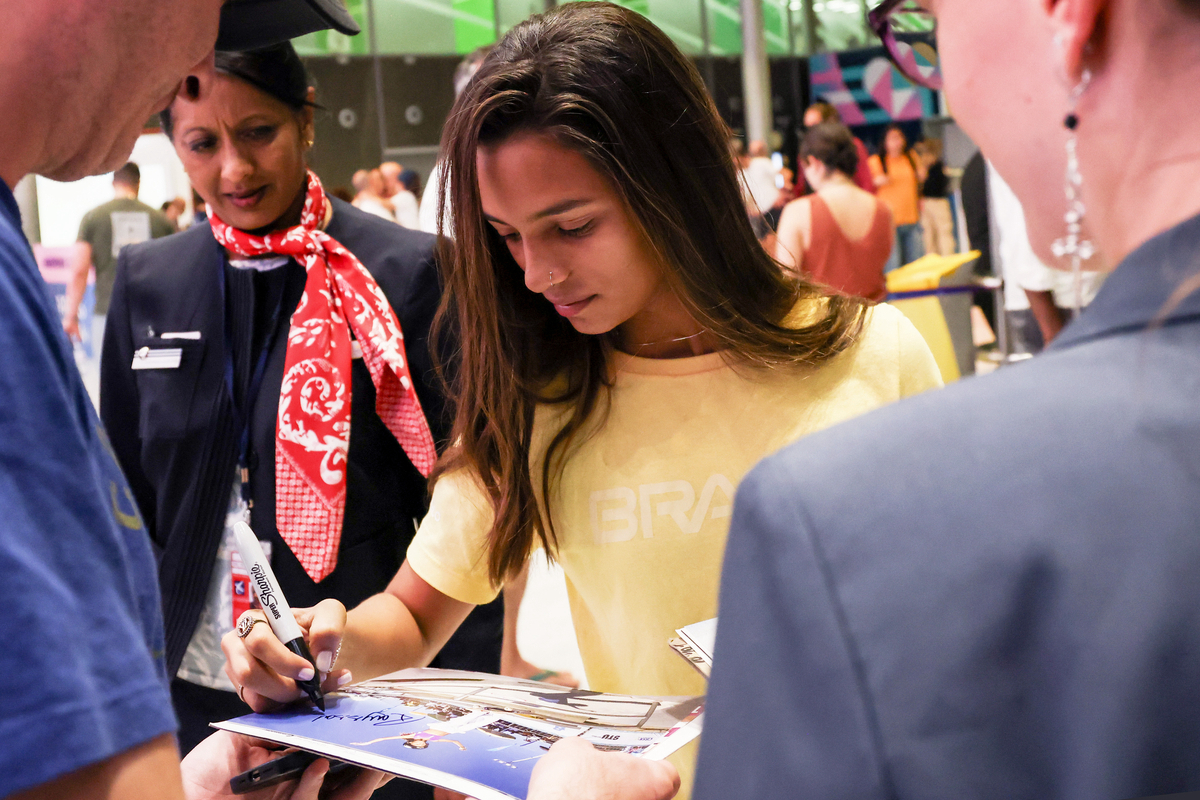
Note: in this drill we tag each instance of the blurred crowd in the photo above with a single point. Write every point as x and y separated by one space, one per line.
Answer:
909 180
389 191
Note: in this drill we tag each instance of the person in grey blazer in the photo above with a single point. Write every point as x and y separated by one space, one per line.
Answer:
993 591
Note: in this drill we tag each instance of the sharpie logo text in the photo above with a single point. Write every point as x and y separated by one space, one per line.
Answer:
266 595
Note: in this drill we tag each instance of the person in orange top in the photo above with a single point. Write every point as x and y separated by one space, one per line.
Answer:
898 176
841 235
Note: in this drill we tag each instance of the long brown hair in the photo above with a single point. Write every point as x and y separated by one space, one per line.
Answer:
604 81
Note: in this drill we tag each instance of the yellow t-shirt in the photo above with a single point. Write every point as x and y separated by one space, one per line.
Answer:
642 507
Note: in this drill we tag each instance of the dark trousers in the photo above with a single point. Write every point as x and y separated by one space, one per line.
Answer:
474 646
1025 335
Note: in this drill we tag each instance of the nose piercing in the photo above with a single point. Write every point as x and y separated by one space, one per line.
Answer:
551 277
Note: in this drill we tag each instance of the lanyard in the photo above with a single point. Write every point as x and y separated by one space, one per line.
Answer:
243 415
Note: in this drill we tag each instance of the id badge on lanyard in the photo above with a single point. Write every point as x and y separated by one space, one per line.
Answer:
242 599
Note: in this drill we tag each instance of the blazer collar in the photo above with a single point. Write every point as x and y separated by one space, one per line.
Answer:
1138 292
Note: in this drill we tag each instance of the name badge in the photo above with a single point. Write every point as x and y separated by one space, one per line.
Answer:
192 335
160 358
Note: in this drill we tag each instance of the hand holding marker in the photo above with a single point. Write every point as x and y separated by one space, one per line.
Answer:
275 606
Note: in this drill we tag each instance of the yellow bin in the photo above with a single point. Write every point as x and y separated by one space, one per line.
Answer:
925 313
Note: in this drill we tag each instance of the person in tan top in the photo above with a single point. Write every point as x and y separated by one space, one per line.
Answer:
840 236
937 215
899 174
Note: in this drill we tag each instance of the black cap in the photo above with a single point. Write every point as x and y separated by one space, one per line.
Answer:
249 24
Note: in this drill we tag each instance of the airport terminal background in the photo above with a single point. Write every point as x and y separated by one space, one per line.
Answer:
386 91
385 94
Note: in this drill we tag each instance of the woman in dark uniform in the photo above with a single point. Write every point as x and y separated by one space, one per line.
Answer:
279 350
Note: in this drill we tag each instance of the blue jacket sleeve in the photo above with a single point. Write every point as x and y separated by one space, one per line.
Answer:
119 402
787 714
81 628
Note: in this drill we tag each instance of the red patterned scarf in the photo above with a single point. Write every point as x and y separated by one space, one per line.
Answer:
312 432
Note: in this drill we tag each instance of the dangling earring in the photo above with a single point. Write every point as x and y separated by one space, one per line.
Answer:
1072 245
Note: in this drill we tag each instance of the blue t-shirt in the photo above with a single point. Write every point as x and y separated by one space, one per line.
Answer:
81 638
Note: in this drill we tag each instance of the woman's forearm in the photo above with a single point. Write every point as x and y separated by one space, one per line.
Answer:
382 636
404 626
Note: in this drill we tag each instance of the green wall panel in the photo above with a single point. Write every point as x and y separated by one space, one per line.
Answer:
724 27
417 27
475 26
679 19
775 27
640 6
331 43
515 11
799 28
841 25
447 27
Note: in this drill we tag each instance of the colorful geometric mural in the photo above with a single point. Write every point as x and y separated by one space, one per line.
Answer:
867 89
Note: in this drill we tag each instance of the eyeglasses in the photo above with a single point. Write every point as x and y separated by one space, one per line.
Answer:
917 62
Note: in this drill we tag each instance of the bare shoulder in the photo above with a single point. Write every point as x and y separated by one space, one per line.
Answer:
796 214
794 232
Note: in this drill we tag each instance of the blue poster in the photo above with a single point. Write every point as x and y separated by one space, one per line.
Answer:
473 733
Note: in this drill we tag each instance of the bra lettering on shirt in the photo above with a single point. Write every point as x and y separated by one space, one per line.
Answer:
618 514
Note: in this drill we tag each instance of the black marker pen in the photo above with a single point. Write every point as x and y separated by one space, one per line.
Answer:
276 607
